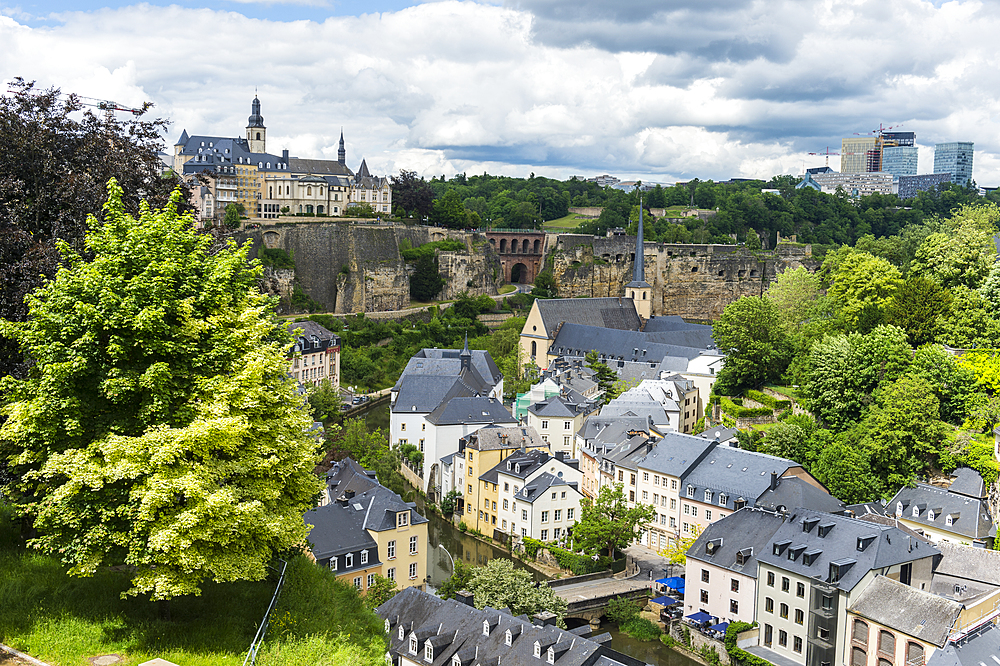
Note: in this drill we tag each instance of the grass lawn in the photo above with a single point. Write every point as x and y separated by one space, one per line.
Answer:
786 391
763 427
570 221
507 288
63 620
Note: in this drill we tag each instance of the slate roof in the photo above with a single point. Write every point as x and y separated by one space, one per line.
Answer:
839 545
976 564
521 464
983 647
636 406
720 434
793 491
601 434
464 410
433 376
427 616
560 406
737 472
575 340
346 475
677 454
906 609
970 516
969 483
606 313
747 531
626 453
537 487
320 167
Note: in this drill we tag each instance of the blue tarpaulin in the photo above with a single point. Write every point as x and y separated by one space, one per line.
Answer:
674 582
666 601
699 617
721 627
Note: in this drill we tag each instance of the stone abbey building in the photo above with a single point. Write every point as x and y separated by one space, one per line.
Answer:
268 185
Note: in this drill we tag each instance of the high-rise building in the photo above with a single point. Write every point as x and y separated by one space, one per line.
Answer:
900 160
855 154
954 158
899 138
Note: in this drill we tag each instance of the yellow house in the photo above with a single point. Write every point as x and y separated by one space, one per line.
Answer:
478 453
364 529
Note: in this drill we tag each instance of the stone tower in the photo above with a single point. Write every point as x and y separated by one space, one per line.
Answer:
638 289
341 153
256 132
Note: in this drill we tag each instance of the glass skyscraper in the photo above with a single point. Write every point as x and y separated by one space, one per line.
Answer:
900 160
954 158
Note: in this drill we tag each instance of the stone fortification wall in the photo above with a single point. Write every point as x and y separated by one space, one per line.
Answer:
693 281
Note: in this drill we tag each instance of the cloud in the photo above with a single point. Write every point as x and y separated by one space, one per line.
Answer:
657 90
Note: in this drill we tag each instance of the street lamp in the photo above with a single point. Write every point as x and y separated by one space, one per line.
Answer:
441 546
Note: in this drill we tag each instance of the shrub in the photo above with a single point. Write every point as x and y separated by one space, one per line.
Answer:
462 527
768 400
667 639
736 654
622 610
275 258
732 409
641 629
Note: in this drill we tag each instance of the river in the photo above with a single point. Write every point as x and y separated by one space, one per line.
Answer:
447 542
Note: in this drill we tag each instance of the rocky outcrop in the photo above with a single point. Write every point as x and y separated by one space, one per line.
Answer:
476 271
693 281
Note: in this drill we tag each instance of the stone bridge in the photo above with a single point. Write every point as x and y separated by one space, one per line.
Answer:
521 253
588 596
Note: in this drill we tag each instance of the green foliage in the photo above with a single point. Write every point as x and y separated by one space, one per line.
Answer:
862 284
232 217
845 469
545 286
324 400
608 522
448 211
604 376
369 449
500 585
275 258
578 564
676 550
303 302
158 428
620 610
916 307
731 408
460 578
426 282
736 654
641 629
954 384
765 399
964 252
976 451
620 386
449 502
428 249
379 592
757 348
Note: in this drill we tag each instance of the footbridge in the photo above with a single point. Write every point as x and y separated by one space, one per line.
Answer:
588 596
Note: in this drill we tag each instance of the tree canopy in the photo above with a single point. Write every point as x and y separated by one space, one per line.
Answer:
608 522
757 348
157 427
500 585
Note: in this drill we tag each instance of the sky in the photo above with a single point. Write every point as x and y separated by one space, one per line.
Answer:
658 90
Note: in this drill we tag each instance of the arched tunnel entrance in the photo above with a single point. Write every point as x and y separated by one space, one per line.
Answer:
518 273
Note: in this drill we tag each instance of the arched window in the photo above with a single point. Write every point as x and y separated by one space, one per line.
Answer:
914 654
258 136
860 633
643 295
319 210
858 657
309 191
886 643
534 348
633 295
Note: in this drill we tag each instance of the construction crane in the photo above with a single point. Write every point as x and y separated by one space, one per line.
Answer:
875 156
109 107
827 153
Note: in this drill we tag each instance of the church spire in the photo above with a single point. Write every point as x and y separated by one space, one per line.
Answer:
639 273
341 153
640 291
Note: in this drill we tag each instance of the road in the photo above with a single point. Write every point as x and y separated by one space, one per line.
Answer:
603 587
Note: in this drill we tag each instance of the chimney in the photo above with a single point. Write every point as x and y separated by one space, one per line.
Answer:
774 480
349 494
464 597
544 619
560 456
284 156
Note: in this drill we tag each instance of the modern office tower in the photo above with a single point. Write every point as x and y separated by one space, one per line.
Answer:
900 160
899 138
855 154
954 158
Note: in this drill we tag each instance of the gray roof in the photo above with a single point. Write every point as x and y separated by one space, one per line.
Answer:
433 376
793 491
346 475
519 464
539 485
606 313
736 472
981 647
320 167
497 438
676 454
720 434
642 408
839 545
746 531
976 564
560 406
970 516
968 482
906 609
465 410
461 627
575 340
628 452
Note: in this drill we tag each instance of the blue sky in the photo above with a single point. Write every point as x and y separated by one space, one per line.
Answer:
659 89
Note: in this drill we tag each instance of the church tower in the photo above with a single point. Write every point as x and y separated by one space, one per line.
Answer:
256 132
341 153
638 289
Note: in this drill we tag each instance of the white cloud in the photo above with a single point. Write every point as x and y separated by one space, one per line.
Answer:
657 90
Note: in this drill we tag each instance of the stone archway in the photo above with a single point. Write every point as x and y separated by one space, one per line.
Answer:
518 273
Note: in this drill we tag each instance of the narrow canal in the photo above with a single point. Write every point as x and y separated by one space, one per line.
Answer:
448 542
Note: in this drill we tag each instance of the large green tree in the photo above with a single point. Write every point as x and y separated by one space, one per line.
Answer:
500 585
757 348
157 428
608 522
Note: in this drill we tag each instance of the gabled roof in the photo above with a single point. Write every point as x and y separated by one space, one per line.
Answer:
184 138
793 491
346 475
676 454
466 410
746 531
906 609
737 472
976 564
884 546
496 438
518 464
606 313
318 167
970 517
434 376
560 406
969 483
575 340
982 647
537 487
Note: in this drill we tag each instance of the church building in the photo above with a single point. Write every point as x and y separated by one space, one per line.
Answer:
268 185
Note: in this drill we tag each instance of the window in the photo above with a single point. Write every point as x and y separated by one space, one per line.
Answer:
413 644
555 532
506 505
858 657
708 496
886 642
769 604
826 602
569 514
413 570
673 484
391 573
545 535
785 584
673 504
402 426
800 590
704 575
545 425
799 616
402 519
538 650
768 631
708 515
687 509
722 499
734 606
524 514
734 585
557 515
621 475
673 522
413 545
690 491
504 525
357 582
371 579
645 495
783 638
784 611
567 425
632 479
428 652
859 634
645 476
349 560
545 516
506 487
494 506
704 596
562 495
508 638
797 644
914 654
364 557
333 563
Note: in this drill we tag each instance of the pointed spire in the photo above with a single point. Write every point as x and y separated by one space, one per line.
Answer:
466 355
342 153
639 274
255 119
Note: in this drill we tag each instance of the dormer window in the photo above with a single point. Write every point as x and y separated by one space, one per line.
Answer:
722 499
551 656
402 519
364 557
508 638
899 509
708 496
743 556
400 632
413 644
713 545
810 556
349 560
538 649
690 491
508 465
824 529
930 515
865 541
950 519
428 652
739 504
916 511
456 661
486 628
333 563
